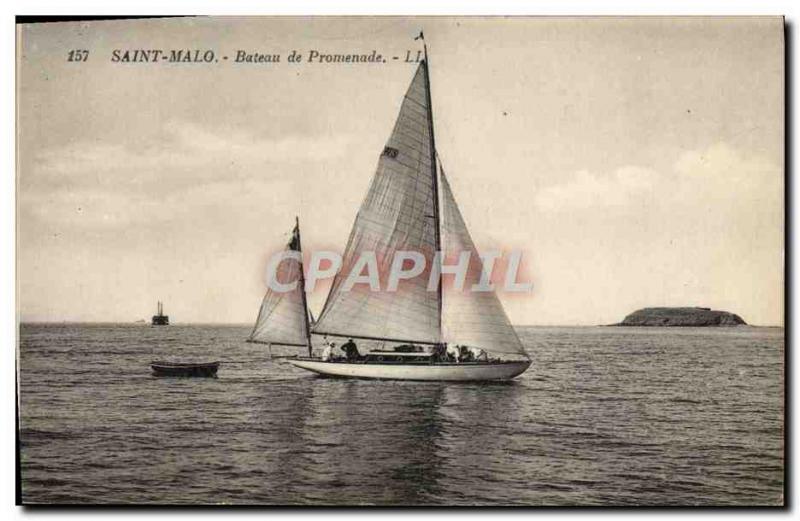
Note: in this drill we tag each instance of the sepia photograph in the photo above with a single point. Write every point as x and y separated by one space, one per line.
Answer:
355 261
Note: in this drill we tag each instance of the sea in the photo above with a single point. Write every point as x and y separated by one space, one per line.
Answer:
605 416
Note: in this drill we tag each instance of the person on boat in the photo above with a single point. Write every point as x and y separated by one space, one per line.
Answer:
465 354
454 353
478 354
439 353
351 351
326 351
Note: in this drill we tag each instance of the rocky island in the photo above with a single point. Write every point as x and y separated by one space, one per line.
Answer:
681 317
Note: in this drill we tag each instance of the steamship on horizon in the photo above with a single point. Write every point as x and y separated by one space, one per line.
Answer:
160 319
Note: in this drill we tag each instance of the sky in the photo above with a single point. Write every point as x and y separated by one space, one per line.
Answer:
635 162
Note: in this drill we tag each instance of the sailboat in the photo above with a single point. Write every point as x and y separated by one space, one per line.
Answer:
409 206
284 318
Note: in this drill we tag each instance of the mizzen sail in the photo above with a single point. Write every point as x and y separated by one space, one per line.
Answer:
472 318
283 319
397 214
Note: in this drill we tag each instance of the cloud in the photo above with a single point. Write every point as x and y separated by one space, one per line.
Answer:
183 168
83 208
720 173
181 146
714 178
591 190
706 230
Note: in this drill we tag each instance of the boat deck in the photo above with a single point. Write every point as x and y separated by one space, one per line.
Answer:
405 361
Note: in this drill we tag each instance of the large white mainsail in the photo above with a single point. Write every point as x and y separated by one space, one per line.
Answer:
471 318
397 214
283 318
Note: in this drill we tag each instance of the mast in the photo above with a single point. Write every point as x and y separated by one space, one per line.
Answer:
434 178
303 285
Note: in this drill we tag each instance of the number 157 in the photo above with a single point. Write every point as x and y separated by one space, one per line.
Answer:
80 55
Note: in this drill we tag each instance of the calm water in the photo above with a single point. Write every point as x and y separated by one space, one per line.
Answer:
605 416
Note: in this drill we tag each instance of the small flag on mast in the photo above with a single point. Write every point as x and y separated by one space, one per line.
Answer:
420 37
294 243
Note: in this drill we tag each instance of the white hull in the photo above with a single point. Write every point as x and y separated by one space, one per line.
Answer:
425 372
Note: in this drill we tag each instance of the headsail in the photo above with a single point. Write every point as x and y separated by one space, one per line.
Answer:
283 318
397 214
472 318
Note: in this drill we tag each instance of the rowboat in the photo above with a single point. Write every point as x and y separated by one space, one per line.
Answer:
206 369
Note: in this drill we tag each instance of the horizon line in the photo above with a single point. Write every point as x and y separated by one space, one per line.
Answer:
249 324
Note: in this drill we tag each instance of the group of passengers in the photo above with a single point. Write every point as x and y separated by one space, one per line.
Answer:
440 353
348 348
459 354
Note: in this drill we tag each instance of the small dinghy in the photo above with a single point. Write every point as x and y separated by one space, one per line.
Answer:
183 369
